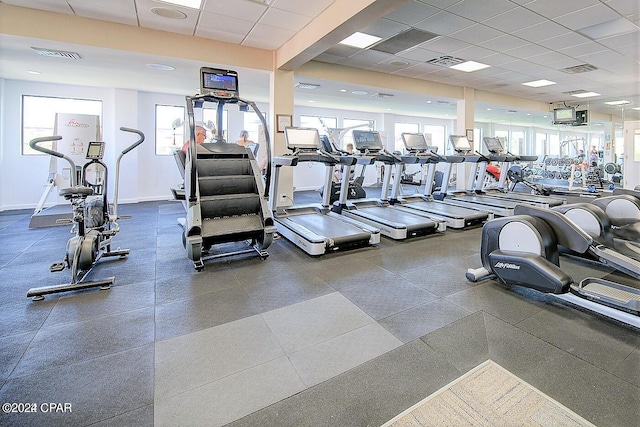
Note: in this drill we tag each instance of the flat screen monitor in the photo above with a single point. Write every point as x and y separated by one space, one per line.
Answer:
302 138
564 115
367 140
493 144
460 143
218 83
414 141
95 150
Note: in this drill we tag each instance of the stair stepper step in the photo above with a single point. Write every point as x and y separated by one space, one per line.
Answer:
230 205
229 226
229 184
222 167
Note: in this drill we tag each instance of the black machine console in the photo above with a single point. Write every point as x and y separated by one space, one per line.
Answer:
298 138
460 143
367 140
95 151
222 84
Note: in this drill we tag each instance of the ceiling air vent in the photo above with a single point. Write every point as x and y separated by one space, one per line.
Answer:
582 68
56 53
403 41
308 86
382 95
445 61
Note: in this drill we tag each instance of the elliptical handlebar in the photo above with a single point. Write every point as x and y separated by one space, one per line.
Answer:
34 144
114 216
135 144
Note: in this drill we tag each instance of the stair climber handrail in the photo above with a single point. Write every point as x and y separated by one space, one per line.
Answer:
268 144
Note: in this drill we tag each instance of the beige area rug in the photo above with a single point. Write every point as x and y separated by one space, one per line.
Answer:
488 395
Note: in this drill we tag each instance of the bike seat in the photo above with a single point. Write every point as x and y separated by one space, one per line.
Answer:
77 191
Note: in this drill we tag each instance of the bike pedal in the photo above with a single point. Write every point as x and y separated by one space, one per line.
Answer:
58 266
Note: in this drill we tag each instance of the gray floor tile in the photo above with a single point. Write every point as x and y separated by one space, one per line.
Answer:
383 298
274 292
441 279
194 283
86 340
329 358
204 311
310 322
12 348
142 417
189 361
232 397
344 274
24 316
415 322
97 389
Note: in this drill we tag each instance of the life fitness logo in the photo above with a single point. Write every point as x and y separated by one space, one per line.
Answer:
73 123
507 265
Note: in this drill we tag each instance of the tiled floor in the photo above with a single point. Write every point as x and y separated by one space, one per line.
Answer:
347 339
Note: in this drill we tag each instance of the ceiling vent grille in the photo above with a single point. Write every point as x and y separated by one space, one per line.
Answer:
308 86
382 95
582 68
403 41
445 61
575 92
56 53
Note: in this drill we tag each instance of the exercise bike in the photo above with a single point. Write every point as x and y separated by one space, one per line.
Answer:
94 223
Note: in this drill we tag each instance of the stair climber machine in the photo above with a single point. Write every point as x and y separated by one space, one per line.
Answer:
470 198
225 197
395 222
498 154
314 228
524 250
94 220
454 216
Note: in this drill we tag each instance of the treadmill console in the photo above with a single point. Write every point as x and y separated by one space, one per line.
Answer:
367 140
493 144
414 142
460 143
221 84
95 151
298 138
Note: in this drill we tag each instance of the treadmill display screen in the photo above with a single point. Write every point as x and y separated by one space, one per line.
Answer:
302 138
493 144
414 141
367 140
223 83
460 143
95 150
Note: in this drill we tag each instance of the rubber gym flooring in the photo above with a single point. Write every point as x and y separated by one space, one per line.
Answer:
346 339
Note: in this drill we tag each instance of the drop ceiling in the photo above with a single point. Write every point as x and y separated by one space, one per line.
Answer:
520 40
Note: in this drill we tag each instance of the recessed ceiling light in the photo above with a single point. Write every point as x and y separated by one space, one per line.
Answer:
585 94
360 40
539 83
610 28
621 102
636 108
165 12
359 92
193 4
161 67
343 90
469 66
311 101
33 72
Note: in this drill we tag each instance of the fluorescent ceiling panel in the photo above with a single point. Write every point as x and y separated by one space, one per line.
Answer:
193 4
469 66
621 102
539 83
360 40
586 94
609 28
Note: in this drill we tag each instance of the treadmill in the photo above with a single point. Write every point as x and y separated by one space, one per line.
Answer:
313 227
455 216
497 154
469 199
395 222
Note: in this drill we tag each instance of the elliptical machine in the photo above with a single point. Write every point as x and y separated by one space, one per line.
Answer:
94 224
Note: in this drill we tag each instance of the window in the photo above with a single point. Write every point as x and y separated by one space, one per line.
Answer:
435 135
320 123
210 120
170 128
39 115
252 125
401 128
554 144
540 148
517 142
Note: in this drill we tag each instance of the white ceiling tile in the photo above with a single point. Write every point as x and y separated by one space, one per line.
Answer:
261 43
247 10
325 57
564 41
476 34
213 21
480 10
419 54
283 19
307 8
514 19
587 17
58 6
498 59
443 23
412 12
583 49
343 51
541 31
527 51
366 58
629 39
608 60
384 28
554 8
444 45
624 7
473 53
441 4
225 36
503 43
273 36
121 11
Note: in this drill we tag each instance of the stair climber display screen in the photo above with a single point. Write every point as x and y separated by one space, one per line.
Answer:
219 83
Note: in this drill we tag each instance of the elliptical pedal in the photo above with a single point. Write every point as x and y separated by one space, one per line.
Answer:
57 266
